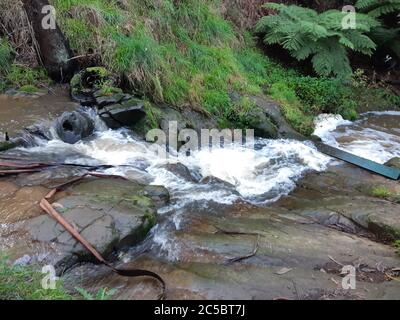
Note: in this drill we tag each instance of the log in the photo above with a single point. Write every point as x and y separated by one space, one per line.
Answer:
55 53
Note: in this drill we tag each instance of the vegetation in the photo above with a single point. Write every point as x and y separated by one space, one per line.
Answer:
102 294
187 55
378 8
321 37
380 192
397 246
387 37
24 283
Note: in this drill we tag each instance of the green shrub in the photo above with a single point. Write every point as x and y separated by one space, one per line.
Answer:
28 89
321 37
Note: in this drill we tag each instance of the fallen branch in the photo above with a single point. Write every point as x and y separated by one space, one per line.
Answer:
235 233
252 254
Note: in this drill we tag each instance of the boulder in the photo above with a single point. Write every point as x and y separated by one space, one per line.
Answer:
71 127
87 82
262 125
126 114
394 163
109 213
6 145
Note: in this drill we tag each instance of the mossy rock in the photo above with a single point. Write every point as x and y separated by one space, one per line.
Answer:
6 145
88 81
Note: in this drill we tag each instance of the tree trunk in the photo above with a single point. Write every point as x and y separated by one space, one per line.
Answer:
55 52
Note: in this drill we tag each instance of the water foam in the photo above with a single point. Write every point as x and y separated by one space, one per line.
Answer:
371 141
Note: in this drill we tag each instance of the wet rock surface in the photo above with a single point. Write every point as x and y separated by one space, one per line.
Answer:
109 213
302 242
126 114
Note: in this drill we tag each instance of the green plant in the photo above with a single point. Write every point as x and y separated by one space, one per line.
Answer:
385 37
21 76
378 8
321 37
380 192
397 246
101 294
24 283
28 89
5 56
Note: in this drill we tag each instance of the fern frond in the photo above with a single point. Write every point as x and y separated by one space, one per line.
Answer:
378 8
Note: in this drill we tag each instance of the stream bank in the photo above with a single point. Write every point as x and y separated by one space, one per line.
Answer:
219 233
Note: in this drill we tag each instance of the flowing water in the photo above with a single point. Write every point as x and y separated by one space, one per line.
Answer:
21 112
212 180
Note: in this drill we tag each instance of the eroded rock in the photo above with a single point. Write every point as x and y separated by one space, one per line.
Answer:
109 213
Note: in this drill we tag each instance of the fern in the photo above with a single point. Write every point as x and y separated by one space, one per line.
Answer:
321 37
378 8
388 38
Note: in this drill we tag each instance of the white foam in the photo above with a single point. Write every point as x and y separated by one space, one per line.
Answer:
325 124
359 137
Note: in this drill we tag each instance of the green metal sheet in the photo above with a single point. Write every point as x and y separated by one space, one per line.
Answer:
388 172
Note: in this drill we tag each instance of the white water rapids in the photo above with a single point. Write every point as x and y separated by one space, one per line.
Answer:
257 175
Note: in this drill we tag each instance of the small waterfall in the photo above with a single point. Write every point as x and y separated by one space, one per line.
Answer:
375 136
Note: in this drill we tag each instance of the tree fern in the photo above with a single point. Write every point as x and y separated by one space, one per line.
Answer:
321 37
378 8
388 38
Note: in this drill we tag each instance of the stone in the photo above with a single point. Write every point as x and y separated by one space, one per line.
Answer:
103 101
88 81
262 125
6 145
181 171
109 213
394 163
126 114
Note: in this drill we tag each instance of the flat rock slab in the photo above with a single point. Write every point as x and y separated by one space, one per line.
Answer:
304 240
109 213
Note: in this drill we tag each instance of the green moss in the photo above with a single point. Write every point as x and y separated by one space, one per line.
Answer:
292 108
397 246
6 145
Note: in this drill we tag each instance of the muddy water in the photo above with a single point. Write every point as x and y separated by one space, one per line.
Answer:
17 113
227 202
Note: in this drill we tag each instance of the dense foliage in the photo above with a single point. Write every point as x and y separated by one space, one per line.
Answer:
187 54
321 37
378 8
387 37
